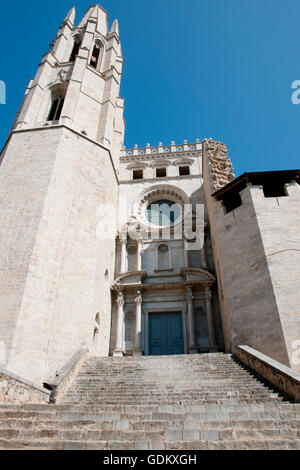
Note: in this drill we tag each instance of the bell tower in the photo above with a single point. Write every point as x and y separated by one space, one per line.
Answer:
78 82
59 166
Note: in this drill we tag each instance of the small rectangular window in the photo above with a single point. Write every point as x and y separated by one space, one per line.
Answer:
161 172
184 170
137 174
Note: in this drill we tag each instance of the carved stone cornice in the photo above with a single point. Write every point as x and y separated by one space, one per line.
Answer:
162 287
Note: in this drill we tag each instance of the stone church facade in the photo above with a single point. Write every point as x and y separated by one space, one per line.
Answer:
145 251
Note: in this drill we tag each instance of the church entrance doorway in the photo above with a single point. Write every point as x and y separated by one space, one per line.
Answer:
165 333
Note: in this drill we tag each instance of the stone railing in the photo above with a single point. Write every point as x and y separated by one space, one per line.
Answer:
16 390
160 148
64 378
282 377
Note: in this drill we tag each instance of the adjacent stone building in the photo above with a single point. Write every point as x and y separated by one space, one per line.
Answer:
154 250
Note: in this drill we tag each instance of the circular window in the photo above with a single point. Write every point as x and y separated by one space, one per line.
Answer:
161 206
163 212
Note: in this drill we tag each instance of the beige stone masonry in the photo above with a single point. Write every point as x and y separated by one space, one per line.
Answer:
16 390
283 378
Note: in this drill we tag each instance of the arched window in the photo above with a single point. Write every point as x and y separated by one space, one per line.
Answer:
75 50
95 59
163 257
55 110
57 102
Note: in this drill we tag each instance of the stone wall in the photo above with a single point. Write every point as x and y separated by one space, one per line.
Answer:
257 264
279 224
56 266
186 189
14 390
283 378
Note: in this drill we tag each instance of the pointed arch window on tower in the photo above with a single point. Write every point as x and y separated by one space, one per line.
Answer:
95 59
75 50
57 101
56 108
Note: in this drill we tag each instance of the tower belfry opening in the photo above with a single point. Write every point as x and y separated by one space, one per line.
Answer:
75 50
94 62
56 108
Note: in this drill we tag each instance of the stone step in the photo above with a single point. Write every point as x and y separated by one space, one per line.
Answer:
247 444
198 420
171 402
161 387
206 391
168 434
150 423
173 397
38 409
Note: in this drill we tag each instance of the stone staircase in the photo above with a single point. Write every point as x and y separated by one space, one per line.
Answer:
187 402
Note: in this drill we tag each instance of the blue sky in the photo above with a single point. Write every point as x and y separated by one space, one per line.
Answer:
193 69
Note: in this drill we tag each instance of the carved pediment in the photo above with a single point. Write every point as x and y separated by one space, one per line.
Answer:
133 277
160 162
197 275
137 166
183 161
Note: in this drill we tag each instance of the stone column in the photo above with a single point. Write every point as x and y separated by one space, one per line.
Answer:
210 321
139 253
203 251
185 252
120 320
123 242
191 323
138 325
